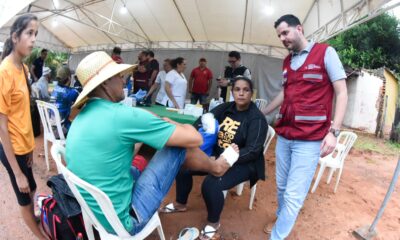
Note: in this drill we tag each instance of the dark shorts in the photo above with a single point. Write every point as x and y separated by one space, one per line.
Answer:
24 199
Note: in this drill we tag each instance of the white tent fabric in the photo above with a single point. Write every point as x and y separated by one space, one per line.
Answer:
189 28
187 24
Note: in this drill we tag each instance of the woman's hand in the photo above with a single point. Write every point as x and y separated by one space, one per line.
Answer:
29 159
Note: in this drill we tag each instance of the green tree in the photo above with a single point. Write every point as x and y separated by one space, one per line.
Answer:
373 44
53 60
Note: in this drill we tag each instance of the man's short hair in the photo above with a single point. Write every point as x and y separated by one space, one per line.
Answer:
290 19
44 50
117 50
150 53
234 54
63 74
202 60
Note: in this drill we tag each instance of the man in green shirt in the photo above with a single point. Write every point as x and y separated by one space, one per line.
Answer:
105 135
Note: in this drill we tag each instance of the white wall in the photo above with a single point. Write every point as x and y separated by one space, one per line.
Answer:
362 107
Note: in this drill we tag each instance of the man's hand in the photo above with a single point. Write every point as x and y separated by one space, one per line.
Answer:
22 183
223 82
328 144
29 159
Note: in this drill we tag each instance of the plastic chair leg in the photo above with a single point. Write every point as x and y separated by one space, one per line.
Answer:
331 172
46 153
88 226
252 195
320 173
239 189
338 179
160 231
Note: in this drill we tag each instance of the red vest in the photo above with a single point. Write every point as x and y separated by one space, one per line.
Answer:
306 110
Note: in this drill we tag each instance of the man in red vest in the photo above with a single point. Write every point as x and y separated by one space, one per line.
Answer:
312 76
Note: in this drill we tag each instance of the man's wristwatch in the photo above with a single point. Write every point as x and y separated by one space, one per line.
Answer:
334 131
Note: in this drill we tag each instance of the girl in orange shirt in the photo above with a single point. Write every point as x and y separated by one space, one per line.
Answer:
16 134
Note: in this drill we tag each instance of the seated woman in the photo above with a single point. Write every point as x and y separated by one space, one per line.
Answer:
64 95
240 122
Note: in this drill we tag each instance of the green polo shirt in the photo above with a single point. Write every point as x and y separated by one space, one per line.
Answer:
100 146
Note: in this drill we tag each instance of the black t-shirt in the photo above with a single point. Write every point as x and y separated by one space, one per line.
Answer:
38 63
231 73
247 129
151 66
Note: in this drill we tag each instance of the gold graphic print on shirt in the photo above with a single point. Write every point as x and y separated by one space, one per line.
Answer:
227 132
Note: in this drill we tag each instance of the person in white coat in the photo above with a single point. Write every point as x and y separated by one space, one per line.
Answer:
176 84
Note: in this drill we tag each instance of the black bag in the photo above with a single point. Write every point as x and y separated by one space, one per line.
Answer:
56 225
35 116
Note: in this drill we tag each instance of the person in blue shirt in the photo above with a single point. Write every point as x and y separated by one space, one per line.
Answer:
64 95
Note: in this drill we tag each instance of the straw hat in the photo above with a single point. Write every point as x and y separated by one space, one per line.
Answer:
94 69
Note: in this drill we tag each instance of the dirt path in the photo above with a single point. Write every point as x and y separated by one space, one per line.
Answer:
325 215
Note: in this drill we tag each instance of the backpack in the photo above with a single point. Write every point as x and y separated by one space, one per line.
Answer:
56 225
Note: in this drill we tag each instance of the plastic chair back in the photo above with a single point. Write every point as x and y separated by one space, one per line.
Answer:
268 139
106 206
101 198
50 117
344 144
261 103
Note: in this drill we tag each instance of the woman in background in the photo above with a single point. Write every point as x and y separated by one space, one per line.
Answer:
176 84
16 133
162 97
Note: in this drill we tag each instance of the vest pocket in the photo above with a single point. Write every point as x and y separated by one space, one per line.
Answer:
313 77
310 114
310 122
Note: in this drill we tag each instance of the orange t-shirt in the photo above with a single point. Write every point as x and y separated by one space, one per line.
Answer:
15 103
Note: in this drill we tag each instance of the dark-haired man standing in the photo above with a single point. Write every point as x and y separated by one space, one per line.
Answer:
116 55
37 65
312 76
200 82
234 69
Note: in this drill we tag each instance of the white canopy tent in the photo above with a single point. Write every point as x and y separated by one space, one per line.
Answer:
189 28
223 25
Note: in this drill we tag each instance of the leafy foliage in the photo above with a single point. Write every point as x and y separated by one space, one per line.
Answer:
53 60
373 44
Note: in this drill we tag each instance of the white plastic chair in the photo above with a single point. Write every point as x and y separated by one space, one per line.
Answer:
335 160
50 118
261 103
90 220
239 188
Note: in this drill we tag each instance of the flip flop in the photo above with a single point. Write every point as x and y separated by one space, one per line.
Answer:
188 234
209 233
170 208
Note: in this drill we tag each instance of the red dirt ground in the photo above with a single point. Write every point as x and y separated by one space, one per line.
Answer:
325 215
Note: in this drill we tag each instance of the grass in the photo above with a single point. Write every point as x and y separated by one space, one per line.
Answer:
370 143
